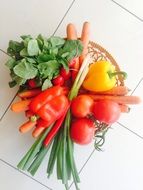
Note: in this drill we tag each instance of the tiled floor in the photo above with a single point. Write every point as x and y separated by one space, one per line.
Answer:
117 26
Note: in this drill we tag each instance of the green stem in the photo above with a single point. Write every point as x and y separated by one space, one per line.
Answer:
124 74
30 155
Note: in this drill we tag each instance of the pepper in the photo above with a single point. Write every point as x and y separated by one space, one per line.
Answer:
46 96
101 76
54 109
55 128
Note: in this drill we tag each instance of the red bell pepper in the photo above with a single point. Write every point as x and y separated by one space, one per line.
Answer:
55 128
45 97
54 109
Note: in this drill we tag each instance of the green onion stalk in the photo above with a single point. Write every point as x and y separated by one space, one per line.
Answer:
62 150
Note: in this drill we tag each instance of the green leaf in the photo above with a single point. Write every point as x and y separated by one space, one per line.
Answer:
56 41
12 84
23 37
73 47
48 69
53 51
24 52
46 84
33 48
64 63
25 70
31 60
10 63
14 47
45 57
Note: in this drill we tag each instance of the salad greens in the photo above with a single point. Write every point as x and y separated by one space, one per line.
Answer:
40 58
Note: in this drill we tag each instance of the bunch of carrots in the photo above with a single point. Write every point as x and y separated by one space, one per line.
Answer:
68 112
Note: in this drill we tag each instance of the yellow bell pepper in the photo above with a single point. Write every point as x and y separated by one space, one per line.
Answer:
101 76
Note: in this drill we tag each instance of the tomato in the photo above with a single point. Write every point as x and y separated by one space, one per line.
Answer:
81 106
72 62
65 74
59 80
82 131
106 111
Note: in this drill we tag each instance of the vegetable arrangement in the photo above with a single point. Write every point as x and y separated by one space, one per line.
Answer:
67 97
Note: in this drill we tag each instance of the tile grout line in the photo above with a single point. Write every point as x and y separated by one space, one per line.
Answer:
137 86
130 130
8 164
121 6
64 17
8 107
81 169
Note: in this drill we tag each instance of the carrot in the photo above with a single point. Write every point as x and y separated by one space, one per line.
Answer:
27 126
118 91
72 35
85 39
71 32
118 99
124 108
20 105
29 93
37 131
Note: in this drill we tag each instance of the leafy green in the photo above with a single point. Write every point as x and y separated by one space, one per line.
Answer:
25 70
46 84
48 69
73 48
40 57
10 63
56 41
32 48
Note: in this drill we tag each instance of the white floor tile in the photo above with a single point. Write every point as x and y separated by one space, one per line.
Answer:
135 7
25 17
134 119
12 179
118 167
113 28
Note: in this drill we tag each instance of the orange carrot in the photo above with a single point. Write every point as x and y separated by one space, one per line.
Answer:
118 91
118 99
37 131
124 108
85 39
20 105
27 126
29 93
72 35
71 32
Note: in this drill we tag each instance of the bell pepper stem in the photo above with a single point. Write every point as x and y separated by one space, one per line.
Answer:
124 74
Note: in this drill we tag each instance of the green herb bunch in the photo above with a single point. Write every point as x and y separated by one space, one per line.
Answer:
40 58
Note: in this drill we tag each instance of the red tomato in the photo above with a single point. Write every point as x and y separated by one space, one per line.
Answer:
82 131
65 74
81 106
59 80
72 62
106 111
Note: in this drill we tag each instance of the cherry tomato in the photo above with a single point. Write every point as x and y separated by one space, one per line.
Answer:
82 131
65 74
106 111
32 83
59 80
82 106
72 62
